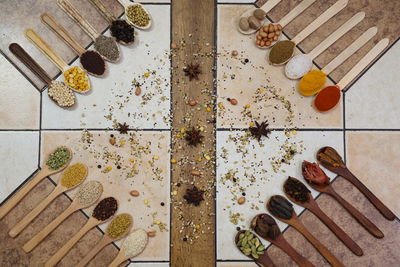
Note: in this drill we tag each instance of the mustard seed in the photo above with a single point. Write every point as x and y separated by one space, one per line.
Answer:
74 175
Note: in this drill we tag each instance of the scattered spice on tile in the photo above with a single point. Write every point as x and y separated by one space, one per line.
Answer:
260 130
106 208
74 175
58 158
119 226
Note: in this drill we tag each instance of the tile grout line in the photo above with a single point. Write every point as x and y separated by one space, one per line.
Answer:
170 135
215 89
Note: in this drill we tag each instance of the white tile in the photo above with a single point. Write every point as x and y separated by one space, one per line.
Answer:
248 159
20 101
149 53
19 159
236 1
236 264
373 102
150 264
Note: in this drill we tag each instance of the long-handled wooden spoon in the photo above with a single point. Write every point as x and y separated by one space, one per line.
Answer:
262 259
99 39
87 195
129 30
288 18
90 60
127 5
39 176
137 240
31 64
279 240
96 219
292 71
343 171
58 190
107 239
298 225
312 205
318 22
56 59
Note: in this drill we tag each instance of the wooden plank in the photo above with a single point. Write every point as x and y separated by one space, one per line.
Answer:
193 227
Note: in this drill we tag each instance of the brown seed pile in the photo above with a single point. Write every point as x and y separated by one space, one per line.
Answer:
74 175
105 209
268 34
61 94
119 226
296 190
89 193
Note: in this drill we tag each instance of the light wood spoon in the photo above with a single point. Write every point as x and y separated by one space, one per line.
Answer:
126 4
49 52
21 193
31 64
71 11
74 206
345 172
298 225
101 244
61 32
281 243
312 205
58 190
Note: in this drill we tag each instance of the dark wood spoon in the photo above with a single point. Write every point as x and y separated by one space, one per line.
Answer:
264 259
299 226
312 205
281 243
345 173
364 221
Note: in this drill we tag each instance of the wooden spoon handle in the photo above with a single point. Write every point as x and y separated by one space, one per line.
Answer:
126 3
360 66
67 246
337 230
31 244
29 62
46 49
118 260
316 243
62 33
318 22
103 10
78 18
333 37
364 221
21 193
99 246
265 260
270 4
295 12
36 211
292 253
350 50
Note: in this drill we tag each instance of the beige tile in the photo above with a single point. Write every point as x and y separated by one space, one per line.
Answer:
20 101
236 264
152 178
257 74
373 158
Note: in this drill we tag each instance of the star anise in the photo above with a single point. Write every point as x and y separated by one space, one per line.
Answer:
193 71
194 196
194 137
123 128
260 130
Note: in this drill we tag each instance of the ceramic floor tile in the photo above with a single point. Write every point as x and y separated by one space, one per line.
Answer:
113 97
142 264
236 264
144 166
240 80
20 101
19 159
249 164
373 101
371 156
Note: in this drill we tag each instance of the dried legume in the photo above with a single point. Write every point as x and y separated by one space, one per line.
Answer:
61 94
89 193
137 15
58 158
74 175
135 243
105 209
77 79
119 226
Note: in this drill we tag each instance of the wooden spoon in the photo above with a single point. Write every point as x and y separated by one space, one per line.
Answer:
270 4
110 18
100 245
281 243
314 208
61 32
86 26
49 52
21 193
333 37
345 173
126 4
289 17
314 25
74 206
91 223
123 253
58 190
31 64
298 225
264 259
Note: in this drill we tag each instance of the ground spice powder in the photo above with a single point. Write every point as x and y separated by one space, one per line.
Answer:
58 158
74 175
119 226
327 98
105 209
312 82
93 62
281 52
